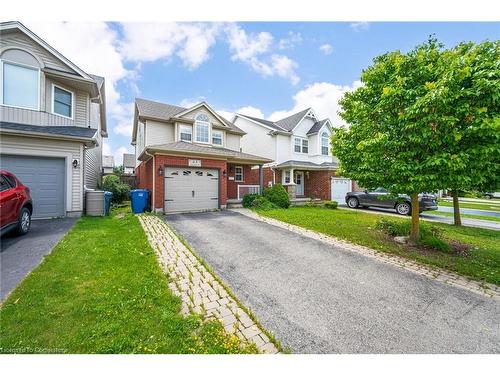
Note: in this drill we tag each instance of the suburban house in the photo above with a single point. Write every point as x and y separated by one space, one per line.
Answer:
190 158
129 164
108 163
52 121
299 146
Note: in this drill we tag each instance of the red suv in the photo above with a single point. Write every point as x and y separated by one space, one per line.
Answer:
16 206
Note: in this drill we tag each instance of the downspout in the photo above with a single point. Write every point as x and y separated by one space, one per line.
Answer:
153 207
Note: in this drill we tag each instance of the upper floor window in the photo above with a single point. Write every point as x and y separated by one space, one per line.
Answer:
186 133
62 102
20 85
217 137
301 145
324 143
202 124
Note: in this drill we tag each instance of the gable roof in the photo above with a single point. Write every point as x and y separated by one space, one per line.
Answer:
129 160
265 122
317 126
290 122
16 25
163 111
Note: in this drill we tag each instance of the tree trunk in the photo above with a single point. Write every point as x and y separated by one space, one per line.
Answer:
456 208
415 217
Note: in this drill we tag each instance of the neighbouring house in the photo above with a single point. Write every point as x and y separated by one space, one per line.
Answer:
129 164
299 146
190 158
52 121
108 163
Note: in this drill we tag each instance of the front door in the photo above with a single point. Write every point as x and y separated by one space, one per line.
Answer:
299 183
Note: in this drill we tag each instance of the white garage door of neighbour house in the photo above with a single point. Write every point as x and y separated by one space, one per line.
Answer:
340 187
191 189
45 178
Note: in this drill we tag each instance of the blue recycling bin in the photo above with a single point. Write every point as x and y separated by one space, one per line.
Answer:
139 199
107 202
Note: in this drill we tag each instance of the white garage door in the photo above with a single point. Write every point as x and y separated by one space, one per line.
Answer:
340 187
191 189
46 179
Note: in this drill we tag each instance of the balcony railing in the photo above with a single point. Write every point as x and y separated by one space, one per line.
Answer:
247 189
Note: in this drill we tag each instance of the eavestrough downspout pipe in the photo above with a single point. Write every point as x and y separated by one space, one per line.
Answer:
153 206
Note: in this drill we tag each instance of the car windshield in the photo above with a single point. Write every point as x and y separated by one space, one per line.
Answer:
380 190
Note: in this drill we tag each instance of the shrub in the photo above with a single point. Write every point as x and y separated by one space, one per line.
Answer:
331 204
120 191
430 236
277 195
248 199
263 203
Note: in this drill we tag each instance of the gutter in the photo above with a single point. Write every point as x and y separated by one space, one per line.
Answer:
89 141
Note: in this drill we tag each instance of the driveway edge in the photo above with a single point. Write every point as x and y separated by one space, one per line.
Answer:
200 289
438 274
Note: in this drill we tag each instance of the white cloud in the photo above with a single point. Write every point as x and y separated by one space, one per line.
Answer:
359 26
291 41
154 41
323 97
326 49
254 49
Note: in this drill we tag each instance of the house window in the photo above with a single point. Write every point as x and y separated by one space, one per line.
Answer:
202 125
305 146
20 85
287 177
217 137
186 133
324 143
238 174
297 144
62 102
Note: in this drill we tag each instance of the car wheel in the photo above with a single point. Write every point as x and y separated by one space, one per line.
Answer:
403 208
353 202
487 196
24 221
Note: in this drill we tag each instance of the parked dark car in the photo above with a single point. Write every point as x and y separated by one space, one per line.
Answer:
380 198
16 205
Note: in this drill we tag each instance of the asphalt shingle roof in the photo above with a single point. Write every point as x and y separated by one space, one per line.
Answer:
150 108
317 125
208 150
290 122
68 131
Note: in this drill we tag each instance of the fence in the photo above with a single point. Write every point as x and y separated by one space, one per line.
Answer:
129 180
247 189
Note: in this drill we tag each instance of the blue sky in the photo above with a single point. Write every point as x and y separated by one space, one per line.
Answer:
265 69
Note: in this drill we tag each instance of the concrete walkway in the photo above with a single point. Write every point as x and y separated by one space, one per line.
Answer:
320 298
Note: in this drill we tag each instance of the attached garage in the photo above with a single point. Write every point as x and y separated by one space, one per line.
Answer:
45 177
340 187
191 189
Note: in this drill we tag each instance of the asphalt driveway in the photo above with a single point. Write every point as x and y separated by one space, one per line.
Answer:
19 255
318 298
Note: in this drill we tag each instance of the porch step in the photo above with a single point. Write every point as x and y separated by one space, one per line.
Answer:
230 205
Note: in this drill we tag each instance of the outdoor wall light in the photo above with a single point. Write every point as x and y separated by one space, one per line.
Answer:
224 173
160 171
75 163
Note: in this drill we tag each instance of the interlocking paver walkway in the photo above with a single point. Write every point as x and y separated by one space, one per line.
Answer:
198 289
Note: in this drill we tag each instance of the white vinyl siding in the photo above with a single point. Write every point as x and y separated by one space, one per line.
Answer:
158 133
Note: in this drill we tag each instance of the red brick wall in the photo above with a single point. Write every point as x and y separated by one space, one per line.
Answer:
268 176
144 176
318 185
248 179
179 161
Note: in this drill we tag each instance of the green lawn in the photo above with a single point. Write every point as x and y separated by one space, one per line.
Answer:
359 227
469 216
477 206
102 291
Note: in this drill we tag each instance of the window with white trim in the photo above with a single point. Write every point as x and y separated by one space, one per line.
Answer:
238 174
185 133
305 146
217 137
62 102
20 85
287 177
297 145
202 126
324 143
